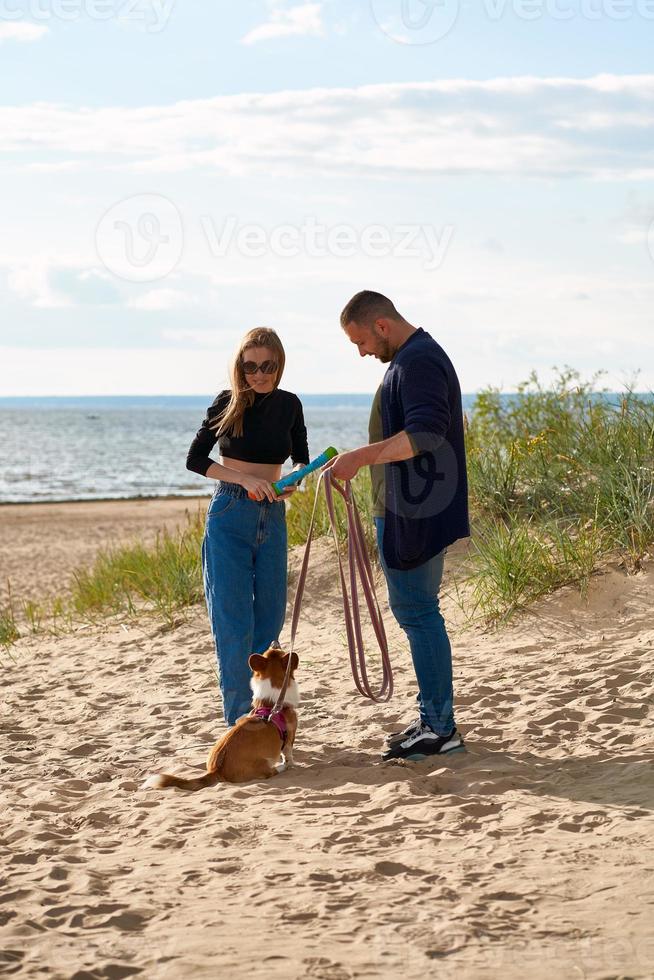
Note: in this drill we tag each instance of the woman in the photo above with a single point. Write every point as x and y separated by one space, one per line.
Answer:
244 551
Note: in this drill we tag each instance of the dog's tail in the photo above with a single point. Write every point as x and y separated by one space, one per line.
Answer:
161 780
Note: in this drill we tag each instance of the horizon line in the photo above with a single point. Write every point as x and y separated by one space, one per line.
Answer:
311 394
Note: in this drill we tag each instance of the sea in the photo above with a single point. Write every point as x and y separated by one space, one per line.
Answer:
115 448
123 447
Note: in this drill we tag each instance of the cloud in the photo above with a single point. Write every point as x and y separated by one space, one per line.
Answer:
48 287
61 166
162 299
633 226
107 370
303 20
199 337
522 126
85 287
32 283
22 31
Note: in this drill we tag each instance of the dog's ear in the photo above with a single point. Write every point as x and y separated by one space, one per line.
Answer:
257 662
294 662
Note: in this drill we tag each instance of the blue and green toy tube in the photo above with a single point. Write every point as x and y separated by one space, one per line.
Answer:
287 481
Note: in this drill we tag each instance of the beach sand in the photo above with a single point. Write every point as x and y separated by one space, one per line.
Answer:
529 855
42 544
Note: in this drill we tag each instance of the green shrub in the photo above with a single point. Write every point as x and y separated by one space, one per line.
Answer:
561 481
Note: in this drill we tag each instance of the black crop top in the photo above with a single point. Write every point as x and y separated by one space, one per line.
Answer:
273 430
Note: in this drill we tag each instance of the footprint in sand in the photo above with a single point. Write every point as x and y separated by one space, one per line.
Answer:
392 868
110 971
481 809
85 749
125 922
320 968
620 740
585 822
11 961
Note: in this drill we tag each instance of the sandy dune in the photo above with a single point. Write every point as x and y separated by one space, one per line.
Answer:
42 544
527 856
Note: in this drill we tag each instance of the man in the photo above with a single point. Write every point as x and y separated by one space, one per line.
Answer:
421 500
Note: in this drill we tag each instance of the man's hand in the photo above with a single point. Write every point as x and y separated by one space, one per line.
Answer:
391 450
346 465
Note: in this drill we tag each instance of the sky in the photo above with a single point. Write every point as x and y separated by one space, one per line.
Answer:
175 172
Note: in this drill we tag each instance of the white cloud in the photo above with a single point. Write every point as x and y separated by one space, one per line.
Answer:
21 31
110 370
49 286
31 282
60 166
162 299
633 227
522 126
202 338
633 236
303 20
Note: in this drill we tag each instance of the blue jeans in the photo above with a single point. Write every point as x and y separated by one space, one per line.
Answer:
413 598
244 568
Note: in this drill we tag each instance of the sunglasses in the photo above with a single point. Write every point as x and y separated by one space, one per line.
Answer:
266 367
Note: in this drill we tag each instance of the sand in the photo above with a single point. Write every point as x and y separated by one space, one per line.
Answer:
527 856
42 544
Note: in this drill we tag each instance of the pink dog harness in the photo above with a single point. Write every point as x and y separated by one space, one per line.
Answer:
278 720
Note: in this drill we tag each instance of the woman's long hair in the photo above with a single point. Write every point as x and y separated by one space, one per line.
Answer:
230 422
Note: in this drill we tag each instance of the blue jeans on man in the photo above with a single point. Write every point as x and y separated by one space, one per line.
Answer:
413 596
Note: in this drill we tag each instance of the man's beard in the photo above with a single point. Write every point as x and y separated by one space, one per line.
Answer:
385 352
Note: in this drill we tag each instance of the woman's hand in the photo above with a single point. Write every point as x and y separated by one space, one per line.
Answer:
288 492
261 489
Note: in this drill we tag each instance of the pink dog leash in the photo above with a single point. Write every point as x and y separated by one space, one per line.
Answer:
359 563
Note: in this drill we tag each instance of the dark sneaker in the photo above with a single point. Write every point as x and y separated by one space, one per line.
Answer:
411 729
422 743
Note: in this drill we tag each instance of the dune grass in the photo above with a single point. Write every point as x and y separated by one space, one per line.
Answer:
164 578
561 482
9 631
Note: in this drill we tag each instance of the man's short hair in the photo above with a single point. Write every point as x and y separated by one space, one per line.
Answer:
366 307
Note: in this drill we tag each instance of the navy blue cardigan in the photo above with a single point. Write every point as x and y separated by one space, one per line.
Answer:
426 500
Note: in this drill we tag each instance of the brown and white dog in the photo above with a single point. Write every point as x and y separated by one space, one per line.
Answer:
252 749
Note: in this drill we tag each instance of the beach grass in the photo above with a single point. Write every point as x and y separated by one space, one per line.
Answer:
9 631
561 483
163 578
